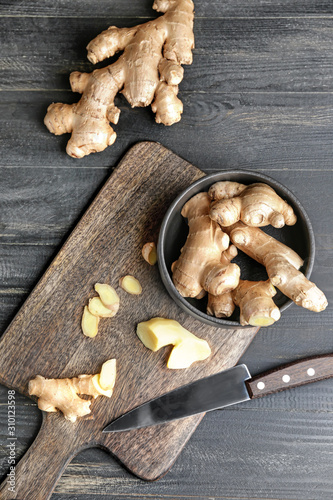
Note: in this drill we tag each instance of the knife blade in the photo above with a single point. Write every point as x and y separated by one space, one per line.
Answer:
223 389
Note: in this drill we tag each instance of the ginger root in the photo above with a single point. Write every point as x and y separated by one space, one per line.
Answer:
63 394
256 205
148 72
199 265
282 265
160 332
254 299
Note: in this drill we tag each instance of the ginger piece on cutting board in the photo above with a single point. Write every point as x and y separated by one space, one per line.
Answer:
160 332
104 306
149 253
131 285
63 394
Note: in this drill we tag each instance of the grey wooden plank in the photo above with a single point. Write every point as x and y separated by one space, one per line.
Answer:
214 8
262 131
290 456
231 55
227 458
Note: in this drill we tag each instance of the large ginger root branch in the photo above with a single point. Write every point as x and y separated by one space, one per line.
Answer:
282 265
62 394
199 265
148 71
254 299
255 205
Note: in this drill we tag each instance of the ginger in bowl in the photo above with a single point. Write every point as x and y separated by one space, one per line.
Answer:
236 249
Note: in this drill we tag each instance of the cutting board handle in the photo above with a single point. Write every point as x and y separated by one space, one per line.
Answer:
37 473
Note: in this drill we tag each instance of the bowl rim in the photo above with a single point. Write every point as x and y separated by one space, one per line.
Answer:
190 191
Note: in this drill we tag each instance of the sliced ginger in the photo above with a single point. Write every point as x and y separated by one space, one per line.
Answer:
107 377
97 308
160 332
130 285
149 253
89 323
108 296
63 394
104 306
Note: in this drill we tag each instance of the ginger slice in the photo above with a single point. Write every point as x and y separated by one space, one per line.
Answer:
97 308
63 394
108 296
89 323
149 253
107 377
130 285
160 332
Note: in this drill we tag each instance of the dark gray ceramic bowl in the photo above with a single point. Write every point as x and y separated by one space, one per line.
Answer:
174 232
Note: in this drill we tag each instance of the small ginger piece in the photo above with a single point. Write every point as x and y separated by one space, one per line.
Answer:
220 306
149 253
108 296
199 265
147 72
160 332
107 377
89 323
63 394
256 205
130 285
254 298
282 265
97 308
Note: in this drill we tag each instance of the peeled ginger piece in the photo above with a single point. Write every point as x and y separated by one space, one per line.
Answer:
159 332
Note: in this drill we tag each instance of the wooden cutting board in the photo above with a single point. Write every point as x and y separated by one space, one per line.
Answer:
45 336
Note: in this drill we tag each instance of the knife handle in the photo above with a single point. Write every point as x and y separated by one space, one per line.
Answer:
291 375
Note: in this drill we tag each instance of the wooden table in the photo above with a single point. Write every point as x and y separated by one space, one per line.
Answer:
259 96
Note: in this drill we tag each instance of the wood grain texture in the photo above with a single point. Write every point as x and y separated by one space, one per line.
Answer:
213 8
105 245
272 51
253 106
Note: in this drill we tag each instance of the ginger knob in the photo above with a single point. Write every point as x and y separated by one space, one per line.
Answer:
63 394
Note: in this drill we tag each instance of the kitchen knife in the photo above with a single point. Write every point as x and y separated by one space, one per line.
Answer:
226 388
